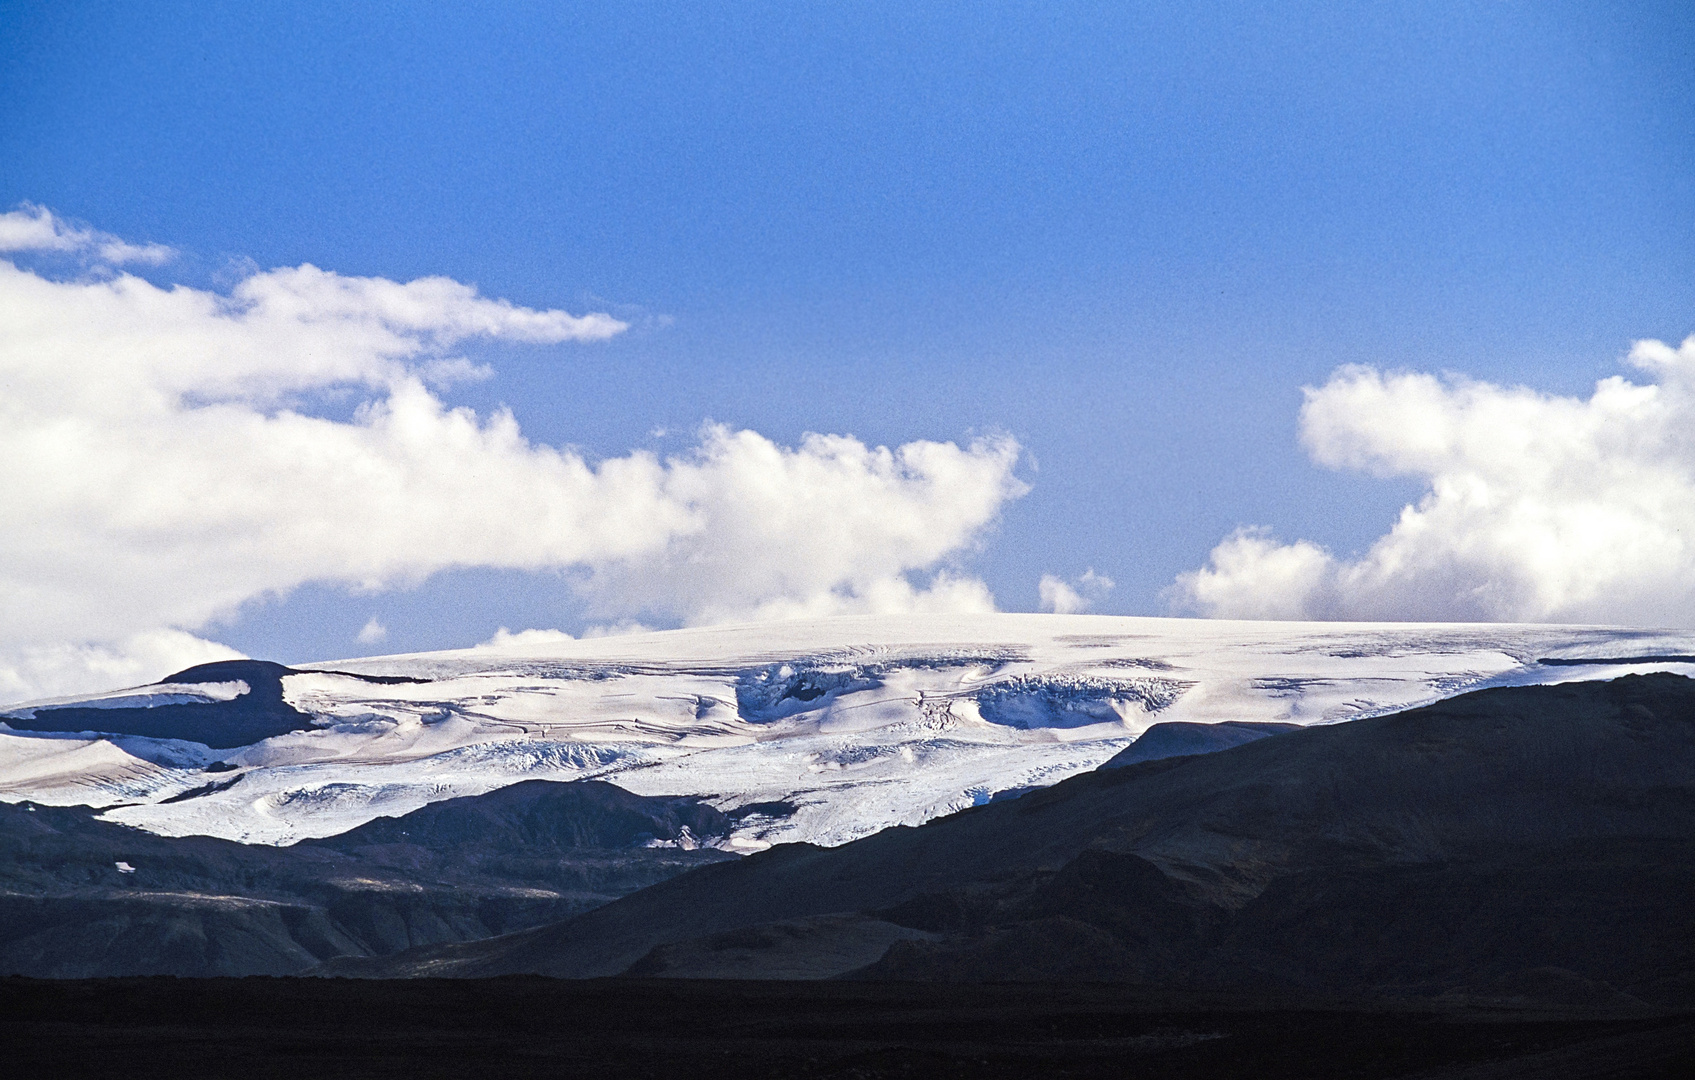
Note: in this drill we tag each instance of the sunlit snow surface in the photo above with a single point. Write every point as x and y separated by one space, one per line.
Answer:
856 723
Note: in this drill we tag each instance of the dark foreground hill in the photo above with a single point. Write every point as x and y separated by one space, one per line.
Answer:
81 897
1531 843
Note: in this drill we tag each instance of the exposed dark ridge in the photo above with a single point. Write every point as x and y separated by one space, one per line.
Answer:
248 671
535 817
227 670
203 790
261 713
1179 738
1585 661
779 808
381 680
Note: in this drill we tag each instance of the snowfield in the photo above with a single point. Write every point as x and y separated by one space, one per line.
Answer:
822 731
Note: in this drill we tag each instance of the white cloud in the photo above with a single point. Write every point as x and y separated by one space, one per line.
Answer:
829 527
524 639
506 639
1058 597
372 632
1071 598
1539 507
160 469
35 228
621 628
51 668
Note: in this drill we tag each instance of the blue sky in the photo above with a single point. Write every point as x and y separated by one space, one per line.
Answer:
1126 235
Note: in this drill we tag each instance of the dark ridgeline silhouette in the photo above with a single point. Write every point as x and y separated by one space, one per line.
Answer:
259 713
459 869
1519 841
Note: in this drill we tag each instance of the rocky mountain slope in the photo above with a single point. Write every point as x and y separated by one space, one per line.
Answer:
83 897
1515 841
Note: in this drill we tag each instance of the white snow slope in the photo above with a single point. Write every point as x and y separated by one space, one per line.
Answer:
856 724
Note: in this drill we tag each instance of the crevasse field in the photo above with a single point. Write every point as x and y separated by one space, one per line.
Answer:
819 731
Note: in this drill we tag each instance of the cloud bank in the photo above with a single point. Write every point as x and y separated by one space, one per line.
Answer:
1073 597
1539 507
162 466
35 228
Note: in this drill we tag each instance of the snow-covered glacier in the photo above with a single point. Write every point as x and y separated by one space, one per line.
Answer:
822 730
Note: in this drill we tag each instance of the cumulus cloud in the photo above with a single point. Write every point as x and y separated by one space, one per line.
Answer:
1073 597
527 639
828 527
162 466
1538 507
35 228
44 668
506 639
372 632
